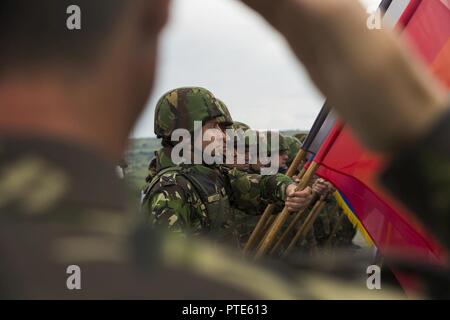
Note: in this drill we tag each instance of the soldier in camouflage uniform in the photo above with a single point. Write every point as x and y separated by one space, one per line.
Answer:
244 222
239 127
283 152
331 223
293 145
332 228
163 157
198 198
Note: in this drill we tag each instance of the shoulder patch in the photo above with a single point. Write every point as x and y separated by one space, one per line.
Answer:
168 180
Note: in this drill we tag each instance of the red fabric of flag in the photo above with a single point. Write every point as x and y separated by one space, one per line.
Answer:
354 170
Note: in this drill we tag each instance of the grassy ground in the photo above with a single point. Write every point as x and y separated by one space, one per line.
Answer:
138 157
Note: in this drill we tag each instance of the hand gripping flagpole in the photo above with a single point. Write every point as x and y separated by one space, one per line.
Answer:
260 227
270 236
301 155
306 227
291 226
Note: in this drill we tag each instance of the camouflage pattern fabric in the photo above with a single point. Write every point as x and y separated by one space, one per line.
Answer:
301 137
180 108
162 160
332 227
243 222
293 147
176 203
225 118
240 126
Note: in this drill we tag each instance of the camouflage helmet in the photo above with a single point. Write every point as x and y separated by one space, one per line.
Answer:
225 119
240 125
293 145
244 127
180 108
301 137
282 146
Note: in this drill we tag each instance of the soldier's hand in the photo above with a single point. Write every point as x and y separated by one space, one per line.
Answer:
323 187
320 187
297 200
368 75
331 188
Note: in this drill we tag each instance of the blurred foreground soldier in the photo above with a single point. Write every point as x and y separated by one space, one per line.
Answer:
68 100
330 37
121 168
198 199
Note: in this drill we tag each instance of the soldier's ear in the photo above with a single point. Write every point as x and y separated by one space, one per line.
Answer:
156 14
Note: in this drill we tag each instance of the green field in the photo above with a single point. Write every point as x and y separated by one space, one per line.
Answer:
138 157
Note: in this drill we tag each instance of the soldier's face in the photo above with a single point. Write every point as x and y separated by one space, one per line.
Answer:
213 133
245 165
283 158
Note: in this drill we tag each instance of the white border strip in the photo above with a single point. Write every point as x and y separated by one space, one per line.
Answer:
394 13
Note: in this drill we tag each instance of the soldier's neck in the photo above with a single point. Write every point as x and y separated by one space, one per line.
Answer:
30 109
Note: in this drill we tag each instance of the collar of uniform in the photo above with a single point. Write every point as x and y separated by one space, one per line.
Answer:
163 158
89 179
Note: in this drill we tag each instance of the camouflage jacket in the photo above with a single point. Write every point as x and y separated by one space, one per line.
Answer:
162 160
174 200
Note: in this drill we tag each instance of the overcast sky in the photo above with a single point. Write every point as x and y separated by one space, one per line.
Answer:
226 48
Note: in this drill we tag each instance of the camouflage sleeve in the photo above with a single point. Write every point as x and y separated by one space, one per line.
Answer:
251 192
175 209
420 177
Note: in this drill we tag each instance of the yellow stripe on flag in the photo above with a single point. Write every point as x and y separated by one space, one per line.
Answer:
352 217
